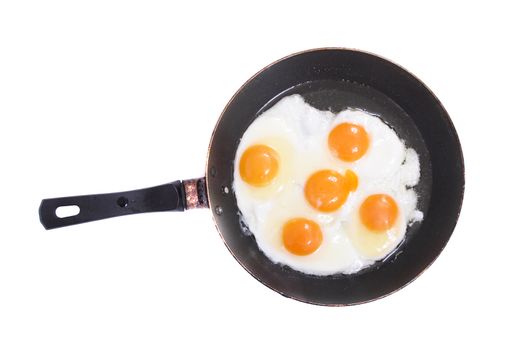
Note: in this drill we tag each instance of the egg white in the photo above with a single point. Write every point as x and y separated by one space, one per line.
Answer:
299 133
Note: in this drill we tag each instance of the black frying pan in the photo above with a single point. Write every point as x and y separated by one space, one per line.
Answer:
332 79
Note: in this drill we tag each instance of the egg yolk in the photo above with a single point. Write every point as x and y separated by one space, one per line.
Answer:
348 141
301 236
378 212
327 190
259 165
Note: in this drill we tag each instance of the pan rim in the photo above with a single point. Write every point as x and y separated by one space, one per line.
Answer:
446 118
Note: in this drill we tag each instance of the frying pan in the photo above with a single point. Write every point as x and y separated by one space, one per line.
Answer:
328 79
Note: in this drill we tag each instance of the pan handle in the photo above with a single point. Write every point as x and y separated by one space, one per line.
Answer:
173 196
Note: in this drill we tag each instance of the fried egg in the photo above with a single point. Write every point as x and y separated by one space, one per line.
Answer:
324 192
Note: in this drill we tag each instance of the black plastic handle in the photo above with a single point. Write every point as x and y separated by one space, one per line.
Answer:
168 197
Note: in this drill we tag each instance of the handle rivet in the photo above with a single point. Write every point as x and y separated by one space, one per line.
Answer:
122 202
218 210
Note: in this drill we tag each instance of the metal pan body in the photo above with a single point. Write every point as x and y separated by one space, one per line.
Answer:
336 79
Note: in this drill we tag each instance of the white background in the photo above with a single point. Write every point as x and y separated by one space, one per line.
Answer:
103 96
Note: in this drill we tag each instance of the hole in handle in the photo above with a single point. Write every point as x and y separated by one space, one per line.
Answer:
67 211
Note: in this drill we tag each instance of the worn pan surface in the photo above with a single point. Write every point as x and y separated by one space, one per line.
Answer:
328 79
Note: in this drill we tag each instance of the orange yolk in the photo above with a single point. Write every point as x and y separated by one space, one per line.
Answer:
327 190
259 165
348 141
301 236
378 212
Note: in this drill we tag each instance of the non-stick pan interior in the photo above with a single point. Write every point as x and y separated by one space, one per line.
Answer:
335 79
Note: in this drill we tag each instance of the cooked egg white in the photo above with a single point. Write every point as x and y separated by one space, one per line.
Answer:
298 133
